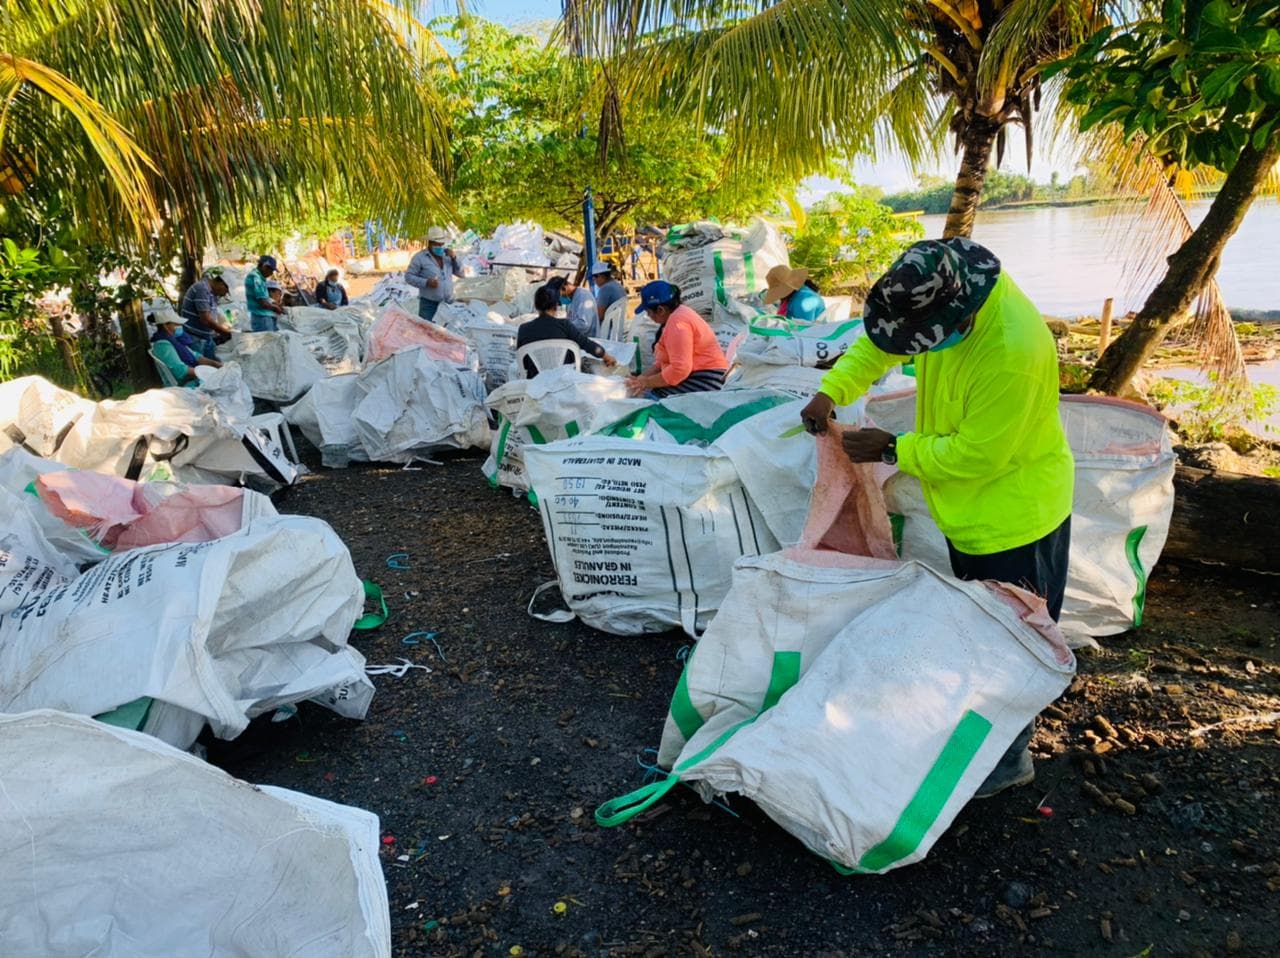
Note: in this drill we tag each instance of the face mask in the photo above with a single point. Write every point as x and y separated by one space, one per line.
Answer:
438 250
565 300
957 337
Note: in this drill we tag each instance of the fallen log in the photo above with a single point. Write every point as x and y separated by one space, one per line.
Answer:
1225 518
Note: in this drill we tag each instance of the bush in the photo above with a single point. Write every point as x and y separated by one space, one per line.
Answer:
848 240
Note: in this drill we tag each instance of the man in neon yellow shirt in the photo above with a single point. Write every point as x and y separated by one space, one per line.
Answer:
988 446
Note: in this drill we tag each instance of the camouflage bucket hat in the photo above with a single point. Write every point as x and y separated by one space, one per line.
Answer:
929 292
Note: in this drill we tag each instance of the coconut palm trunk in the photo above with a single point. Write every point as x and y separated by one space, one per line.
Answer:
1191 266
976 144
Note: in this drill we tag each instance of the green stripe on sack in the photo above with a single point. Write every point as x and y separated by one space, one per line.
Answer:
932 795
785 673
687 718
502 449
536 435
749 266
717 263
684 429
1131 545
371 620
571 428
897 521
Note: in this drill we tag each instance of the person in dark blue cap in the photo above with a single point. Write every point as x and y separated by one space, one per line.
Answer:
687 357
262 310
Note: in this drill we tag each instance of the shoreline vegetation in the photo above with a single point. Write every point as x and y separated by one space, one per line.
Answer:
1011 191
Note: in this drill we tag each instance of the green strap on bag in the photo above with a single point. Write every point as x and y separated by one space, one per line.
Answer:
371 620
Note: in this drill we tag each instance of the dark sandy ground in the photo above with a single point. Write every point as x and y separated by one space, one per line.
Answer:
1160 767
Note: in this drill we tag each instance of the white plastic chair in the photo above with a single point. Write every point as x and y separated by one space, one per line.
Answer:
547 354
166 374
617 322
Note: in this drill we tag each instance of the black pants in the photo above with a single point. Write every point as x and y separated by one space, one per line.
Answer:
1039 566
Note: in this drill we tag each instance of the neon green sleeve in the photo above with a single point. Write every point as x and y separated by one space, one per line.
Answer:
997 423
856 370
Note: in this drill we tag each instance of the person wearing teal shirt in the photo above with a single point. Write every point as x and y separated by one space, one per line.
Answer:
262 310
988 445
795 295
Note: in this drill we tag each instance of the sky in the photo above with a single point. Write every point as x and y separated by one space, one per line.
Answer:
891 174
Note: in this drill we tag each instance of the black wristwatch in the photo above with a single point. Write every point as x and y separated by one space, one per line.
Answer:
890 454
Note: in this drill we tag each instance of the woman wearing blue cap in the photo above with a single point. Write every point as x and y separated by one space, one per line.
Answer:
687 357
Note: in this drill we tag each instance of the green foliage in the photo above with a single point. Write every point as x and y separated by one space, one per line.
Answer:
849 239
1199 84
526 143
26 274
266 235
1001 189
1205 413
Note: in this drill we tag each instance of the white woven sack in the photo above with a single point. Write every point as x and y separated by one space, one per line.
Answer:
729 268
1121 509
411 404
215 632
133 849
644 523
556 404
859 702
324 417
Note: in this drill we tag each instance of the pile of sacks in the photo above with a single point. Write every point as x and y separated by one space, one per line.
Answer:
191 435
712 263
201 599
649 506
161 608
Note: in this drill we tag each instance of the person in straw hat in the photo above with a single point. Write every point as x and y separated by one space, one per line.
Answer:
797 298
988 445
431 272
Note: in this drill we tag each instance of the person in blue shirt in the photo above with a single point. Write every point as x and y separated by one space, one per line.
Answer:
797 298
173 346
263 311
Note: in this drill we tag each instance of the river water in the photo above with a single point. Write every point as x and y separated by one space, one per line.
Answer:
1068 259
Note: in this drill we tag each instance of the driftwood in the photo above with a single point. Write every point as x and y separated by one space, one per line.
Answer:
1225 518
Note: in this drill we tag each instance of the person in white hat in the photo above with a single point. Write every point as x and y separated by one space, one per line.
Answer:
608 289
172 345
431 272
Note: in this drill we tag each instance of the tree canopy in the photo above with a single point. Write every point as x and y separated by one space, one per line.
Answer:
526 141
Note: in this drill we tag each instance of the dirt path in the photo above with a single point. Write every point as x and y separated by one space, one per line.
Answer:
1162 839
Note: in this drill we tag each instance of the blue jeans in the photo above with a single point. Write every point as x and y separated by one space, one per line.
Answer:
205 345
427 308
261 323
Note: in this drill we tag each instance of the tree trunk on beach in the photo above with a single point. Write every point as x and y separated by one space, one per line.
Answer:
1191 266
976 142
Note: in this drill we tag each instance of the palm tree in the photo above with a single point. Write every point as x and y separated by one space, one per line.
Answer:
808 80
172 120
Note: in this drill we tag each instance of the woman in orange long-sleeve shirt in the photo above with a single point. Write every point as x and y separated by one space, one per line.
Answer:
687 358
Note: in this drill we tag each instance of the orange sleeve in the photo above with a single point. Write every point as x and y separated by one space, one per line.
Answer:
677 344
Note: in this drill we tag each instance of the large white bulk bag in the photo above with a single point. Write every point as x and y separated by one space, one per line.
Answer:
335 337
215 631
860 704
1123 502
645 518
859 701
19 470
495 348
37 415
120 846
786 344
733 266
276 366
412 404
556 404
324 416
